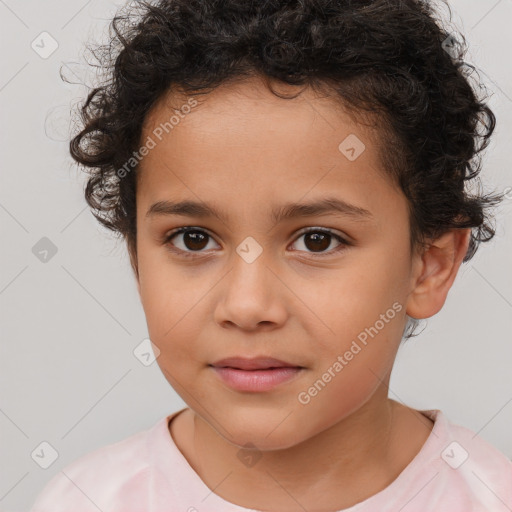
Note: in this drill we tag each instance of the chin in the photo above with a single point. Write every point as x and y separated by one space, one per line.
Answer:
262 432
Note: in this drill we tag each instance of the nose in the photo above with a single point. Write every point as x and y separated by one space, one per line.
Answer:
252 296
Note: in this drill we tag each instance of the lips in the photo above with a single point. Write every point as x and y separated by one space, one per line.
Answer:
257 363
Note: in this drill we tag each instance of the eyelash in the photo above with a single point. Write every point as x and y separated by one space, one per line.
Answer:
195 254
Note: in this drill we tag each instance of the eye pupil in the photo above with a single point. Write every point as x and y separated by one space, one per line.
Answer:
194 237
319 240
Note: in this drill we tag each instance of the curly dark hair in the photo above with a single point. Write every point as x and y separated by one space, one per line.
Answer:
391 61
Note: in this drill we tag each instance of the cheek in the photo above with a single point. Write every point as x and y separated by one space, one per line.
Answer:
168 298
349 366
363 307
368 287
163 286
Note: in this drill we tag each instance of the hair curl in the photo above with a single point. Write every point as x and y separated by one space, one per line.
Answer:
385 58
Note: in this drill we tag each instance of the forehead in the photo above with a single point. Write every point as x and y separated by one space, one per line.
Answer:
250 100
241 141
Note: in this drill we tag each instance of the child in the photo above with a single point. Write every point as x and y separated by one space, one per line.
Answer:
228 135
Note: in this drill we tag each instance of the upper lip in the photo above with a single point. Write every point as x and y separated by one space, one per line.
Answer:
256 363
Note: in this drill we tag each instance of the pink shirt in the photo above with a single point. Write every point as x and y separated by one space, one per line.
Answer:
455 471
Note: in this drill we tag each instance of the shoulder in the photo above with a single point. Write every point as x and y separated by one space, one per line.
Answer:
473 466
468 446
101 479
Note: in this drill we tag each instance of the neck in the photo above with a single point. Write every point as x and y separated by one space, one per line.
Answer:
337 468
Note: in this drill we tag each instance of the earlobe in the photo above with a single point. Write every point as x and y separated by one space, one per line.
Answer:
435 272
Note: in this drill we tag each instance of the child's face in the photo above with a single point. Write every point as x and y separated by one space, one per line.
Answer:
246 152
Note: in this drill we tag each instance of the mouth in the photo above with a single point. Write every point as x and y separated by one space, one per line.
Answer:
255 363
255 375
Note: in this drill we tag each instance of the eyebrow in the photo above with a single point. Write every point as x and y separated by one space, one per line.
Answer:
284 212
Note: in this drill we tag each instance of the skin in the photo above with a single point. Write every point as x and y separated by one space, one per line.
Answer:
245 150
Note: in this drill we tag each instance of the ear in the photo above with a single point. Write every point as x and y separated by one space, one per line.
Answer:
434 272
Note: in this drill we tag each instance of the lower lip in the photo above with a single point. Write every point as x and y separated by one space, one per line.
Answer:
256 380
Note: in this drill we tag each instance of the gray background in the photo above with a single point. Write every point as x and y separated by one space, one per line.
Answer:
69 326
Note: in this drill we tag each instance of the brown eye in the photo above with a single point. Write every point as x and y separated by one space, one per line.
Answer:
192 240
195 240
319 240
